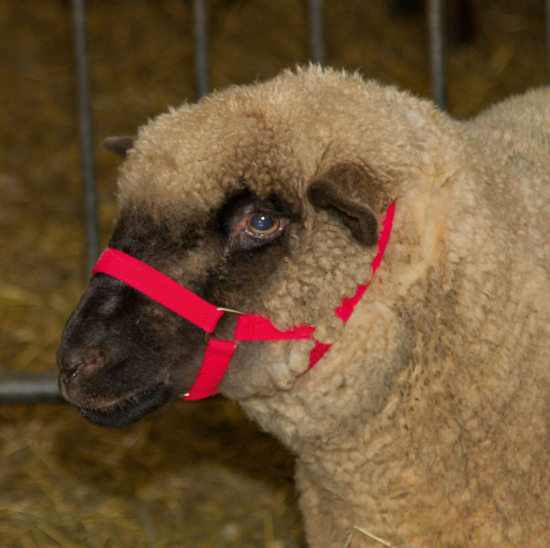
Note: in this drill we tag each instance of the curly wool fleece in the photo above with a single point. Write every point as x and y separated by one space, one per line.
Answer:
427 422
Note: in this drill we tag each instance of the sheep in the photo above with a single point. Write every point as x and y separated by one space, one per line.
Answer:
426 423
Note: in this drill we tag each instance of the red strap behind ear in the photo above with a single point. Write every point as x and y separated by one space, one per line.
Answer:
346 308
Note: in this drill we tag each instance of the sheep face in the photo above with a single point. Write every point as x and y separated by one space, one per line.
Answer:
257 199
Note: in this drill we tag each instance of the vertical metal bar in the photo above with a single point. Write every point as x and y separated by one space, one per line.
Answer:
437 31
316 31
548 34
86 142
201 48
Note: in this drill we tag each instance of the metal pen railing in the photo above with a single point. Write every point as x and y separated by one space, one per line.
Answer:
438 70
21 388
316 37
202 77
86 133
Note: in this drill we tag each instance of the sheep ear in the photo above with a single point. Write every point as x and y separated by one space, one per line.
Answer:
348 191
119 145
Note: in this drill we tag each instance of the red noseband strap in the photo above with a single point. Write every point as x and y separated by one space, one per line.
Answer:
159 287
250 327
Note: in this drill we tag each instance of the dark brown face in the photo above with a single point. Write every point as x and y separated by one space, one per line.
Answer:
122 354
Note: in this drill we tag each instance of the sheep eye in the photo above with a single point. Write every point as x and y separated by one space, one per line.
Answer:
261 224
249 223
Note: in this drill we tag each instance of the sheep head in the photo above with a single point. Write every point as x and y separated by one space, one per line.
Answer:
264 199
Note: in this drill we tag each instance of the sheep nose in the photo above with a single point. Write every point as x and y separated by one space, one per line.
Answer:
73 362
72 372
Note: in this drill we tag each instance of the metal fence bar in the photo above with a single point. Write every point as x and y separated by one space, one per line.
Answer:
316 31
548 35
18 388
29 388
437 33
86 138
201 48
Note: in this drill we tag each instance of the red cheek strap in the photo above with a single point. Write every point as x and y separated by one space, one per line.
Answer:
214 365
250 327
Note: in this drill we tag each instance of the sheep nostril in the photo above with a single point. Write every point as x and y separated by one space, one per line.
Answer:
74 362
71 373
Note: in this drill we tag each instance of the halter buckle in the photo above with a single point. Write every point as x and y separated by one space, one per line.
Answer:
226 311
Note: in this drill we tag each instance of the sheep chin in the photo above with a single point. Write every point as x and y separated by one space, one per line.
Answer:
130 410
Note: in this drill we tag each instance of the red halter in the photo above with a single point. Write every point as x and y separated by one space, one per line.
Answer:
250 327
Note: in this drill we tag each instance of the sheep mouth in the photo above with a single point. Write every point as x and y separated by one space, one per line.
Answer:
129 410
